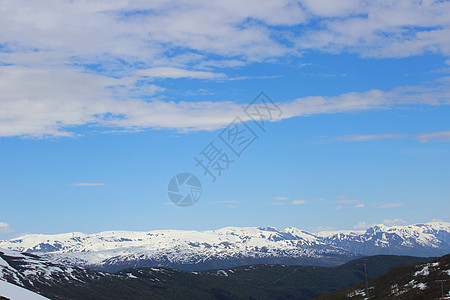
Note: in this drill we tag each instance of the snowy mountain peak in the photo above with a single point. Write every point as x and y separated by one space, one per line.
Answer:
230 245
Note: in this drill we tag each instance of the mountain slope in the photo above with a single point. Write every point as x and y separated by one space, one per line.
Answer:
245 282
418 240
232 246
12 291
417 281
38 274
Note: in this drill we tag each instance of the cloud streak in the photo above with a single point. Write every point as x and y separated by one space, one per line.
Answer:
442 136
281 201
49 102
390 205
88 184
342 199
363 225
280 198
176 73
393 222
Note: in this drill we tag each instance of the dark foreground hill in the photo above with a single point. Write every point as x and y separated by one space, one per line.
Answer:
411 282
246 282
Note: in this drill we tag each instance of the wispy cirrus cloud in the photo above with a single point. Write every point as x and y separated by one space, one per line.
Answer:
421 137
369 137
393 222
176 73
223 202
296 202
88 184
342 199
347 201
389 205
281 198
31 105
433 136
278 203
281 201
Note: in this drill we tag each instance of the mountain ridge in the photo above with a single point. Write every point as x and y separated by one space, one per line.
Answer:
267 281
232 246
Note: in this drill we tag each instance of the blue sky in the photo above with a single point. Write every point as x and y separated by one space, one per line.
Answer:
101 104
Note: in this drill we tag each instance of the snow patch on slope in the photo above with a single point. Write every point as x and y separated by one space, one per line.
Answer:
15 292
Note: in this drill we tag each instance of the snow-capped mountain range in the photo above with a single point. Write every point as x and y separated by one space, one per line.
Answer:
231 246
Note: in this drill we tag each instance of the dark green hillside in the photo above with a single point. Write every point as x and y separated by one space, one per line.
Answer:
414 281
245 282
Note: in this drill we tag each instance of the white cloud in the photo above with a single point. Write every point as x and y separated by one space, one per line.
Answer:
390 205
363 225
433 136
421 137
88 184
323 228
393 222
48 85
369 137
437 220
48 102
346 201
281 201
331 8
4 228
231 206
379 28
343 200
143 31
295 202
45 102
280 198
359 205
175 73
